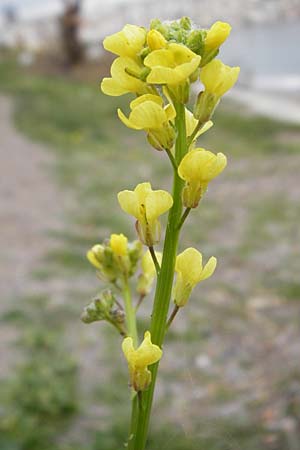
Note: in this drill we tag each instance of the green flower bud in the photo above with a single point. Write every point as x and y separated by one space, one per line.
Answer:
205 106
195 41
185 23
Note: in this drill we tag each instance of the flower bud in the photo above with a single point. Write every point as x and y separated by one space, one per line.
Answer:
95 255
205 106
155 40
195 41
118 244
99 308
216 35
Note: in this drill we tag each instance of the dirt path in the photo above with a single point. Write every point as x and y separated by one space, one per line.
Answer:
30 206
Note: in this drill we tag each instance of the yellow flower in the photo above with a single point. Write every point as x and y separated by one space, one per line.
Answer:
128 42
218 78
216 35
198 167
191 123
189 273
139 359
148 273
146 206
121 82
119 244
155 40
149 114
172 65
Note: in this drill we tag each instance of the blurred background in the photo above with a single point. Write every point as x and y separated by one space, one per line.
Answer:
230 376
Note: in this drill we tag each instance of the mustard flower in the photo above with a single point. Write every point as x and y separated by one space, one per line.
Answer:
172 65
216 35
146 206
139 359
147 276
198 167
122 81
190 272
218 78
149 114
127 42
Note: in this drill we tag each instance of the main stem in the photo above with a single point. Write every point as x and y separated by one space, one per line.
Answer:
130 313
165 279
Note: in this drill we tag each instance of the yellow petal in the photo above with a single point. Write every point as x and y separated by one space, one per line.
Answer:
182 54
128 122
146 97
172 65
163 75
148 115
128 42
109 86
219 165
147 353
189 265
170 112
209 268
128 350
142 190
126 81
163 58
157 203
185 70
129 204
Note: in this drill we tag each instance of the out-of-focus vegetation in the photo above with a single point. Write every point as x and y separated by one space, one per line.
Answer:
234 385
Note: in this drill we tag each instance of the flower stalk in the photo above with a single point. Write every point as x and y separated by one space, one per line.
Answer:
158 66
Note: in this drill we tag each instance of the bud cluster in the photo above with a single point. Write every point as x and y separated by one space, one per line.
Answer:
104 307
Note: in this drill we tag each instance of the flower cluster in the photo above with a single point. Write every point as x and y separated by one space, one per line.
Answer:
162 66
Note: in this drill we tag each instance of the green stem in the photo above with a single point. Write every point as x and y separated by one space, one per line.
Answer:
165 279
130 313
